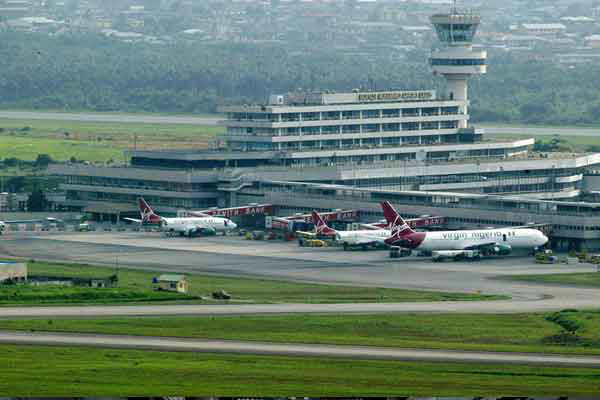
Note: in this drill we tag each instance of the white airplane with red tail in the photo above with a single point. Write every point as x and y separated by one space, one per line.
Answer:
188 226
499 241
360 238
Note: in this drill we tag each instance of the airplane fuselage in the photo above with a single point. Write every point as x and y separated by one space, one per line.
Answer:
197 223
363 236
459 240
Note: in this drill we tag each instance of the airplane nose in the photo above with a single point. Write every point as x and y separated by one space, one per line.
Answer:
232 225
543 239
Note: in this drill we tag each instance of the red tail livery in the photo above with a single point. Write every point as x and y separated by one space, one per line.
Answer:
320 225
402 234
147 214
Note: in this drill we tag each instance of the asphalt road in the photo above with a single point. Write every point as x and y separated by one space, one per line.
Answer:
191 120
304 350
494 307
101 117
543 131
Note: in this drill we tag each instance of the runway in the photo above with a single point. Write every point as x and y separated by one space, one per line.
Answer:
303 350
107 117
200 120
541 131
483 307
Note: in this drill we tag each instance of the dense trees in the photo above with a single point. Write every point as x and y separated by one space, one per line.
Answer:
87 71
37 201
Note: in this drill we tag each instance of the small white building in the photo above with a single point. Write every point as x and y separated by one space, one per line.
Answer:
592 41
13 271
173 283
544 29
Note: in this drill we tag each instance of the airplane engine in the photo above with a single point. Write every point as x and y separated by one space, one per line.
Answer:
207 231
502 249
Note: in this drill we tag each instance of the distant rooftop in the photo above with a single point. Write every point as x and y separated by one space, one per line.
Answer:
544 26
357 96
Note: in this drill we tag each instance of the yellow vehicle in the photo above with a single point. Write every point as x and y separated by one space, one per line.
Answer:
312 243
594 259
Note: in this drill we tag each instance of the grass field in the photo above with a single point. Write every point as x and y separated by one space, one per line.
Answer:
96 141
586 279
484 332
246 290
76 371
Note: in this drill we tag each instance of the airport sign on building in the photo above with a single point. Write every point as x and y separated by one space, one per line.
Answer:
417 95
356 97
258 209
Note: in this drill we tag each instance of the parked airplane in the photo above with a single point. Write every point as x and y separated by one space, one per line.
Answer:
362 238
188 226
488 241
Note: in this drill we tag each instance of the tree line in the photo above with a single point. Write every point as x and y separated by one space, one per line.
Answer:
90 72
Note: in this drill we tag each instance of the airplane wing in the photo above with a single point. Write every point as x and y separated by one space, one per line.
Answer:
199 214
306 235
373 226
491 247
481 246
32 221
368 240
139 221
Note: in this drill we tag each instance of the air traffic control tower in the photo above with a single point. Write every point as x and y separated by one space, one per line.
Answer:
456 60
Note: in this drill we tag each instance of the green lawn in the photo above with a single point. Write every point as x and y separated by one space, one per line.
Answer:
95 141
483 332
27 149
587 279
242 289
76 371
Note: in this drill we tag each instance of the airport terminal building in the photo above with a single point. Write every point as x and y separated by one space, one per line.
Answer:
397 142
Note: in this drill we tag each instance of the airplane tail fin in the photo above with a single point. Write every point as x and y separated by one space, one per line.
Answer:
397 225
148 215
320 225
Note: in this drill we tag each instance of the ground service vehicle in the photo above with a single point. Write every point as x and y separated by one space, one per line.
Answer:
456 255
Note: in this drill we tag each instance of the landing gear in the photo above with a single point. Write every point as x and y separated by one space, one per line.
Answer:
346 247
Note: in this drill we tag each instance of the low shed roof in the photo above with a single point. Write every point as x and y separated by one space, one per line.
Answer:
171 278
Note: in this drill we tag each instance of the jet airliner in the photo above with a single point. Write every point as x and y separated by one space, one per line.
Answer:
488 241
188 226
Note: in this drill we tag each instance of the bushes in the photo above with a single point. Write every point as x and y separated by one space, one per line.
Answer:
22 294
562 319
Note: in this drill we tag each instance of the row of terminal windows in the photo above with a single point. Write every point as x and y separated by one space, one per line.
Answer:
490 222
343 115
139 184
344 129
132 199
344 143
458 61
451 33
458 178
